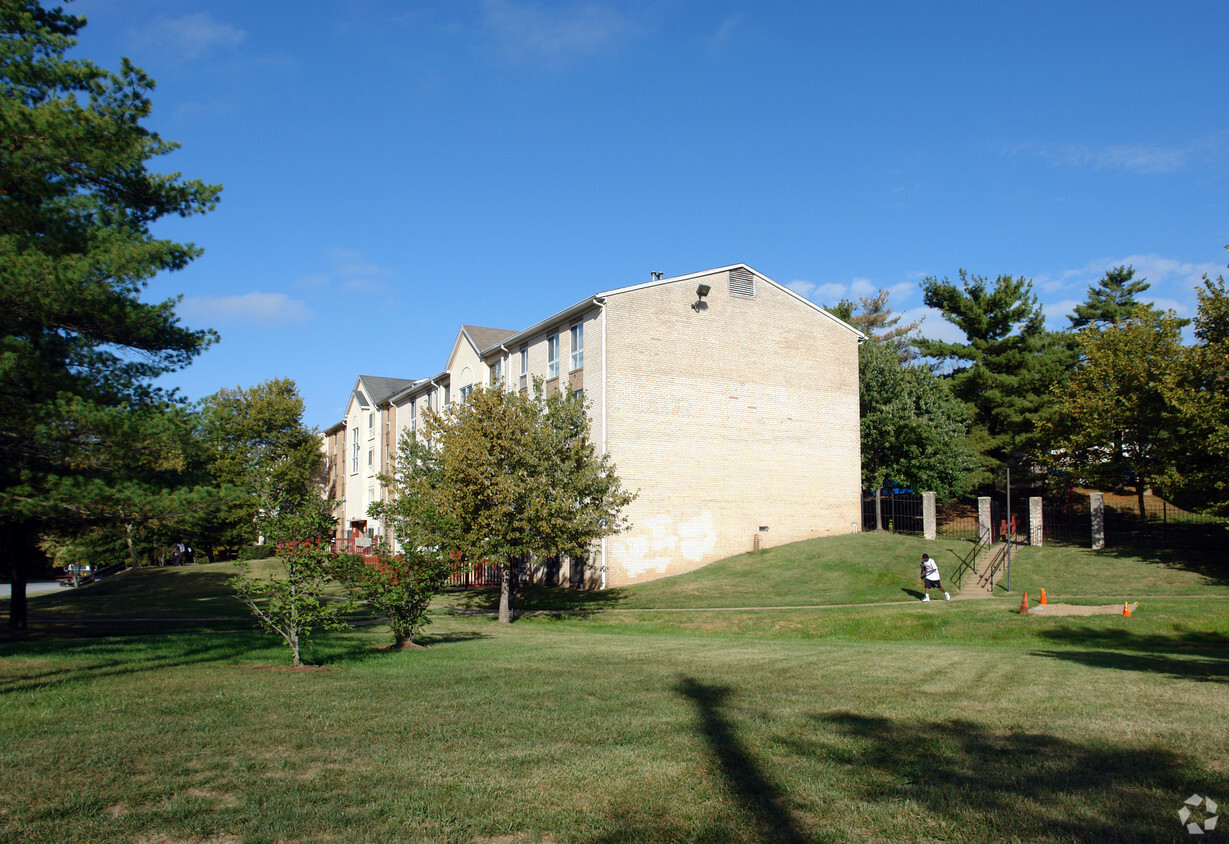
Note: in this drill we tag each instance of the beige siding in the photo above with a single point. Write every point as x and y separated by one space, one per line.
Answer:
733 418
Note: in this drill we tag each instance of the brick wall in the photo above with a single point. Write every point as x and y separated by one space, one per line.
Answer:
729 419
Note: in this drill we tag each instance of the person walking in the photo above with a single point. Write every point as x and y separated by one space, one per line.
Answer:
930 578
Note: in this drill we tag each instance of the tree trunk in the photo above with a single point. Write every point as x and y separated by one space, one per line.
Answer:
1139 494
505 593
132 554
879 509
19 546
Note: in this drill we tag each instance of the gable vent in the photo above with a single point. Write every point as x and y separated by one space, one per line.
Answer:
742 283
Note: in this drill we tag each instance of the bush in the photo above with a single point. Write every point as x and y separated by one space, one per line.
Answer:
256 552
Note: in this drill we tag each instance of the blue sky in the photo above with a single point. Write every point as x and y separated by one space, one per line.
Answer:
395 169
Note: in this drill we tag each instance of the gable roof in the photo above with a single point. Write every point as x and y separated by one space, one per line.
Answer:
378 389
599 298
484 338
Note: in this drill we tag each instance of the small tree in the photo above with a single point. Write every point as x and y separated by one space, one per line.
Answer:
290 601
400 587
501 477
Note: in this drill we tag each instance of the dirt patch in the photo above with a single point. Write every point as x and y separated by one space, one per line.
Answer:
1079 609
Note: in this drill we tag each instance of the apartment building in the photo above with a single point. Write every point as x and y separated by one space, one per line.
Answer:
729 402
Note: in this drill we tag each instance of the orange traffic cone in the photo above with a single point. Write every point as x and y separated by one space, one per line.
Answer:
1042 602
1024 605
1126 610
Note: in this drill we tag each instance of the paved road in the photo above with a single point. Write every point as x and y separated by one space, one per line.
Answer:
32 588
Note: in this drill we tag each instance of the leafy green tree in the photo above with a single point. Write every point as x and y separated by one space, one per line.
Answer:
1202 402
1006 368
255 442
501 477
913 429
1116 418
290 598
399 587
79 346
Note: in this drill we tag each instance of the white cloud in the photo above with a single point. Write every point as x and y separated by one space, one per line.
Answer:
725 32
557 34
1160 272
1135 158
854 289
262 308
190 36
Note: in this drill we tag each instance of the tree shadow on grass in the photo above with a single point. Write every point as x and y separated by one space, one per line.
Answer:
1184 656
87 660
535 598
1024 786
761 801
1208 561
178 592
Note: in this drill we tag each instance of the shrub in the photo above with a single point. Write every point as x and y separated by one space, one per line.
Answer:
256 552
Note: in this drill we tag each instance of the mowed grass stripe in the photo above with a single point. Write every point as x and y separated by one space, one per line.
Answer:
955 721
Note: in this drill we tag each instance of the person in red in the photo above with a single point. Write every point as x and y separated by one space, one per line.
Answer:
930 577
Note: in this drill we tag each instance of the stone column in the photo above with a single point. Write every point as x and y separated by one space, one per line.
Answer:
929 529
983 518
1036 536
1096 506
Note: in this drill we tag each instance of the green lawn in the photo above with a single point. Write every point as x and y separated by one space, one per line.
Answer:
889 720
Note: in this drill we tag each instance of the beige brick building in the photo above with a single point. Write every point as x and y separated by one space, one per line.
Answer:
728 401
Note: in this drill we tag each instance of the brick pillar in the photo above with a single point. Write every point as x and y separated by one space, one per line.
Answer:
1096 506
983 518
1036 536
929 530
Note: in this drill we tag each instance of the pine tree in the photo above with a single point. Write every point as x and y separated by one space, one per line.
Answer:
1112 300
1005 369
79 348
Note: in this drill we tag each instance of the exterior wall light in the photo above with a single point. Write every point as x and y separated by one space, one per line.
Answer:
700 304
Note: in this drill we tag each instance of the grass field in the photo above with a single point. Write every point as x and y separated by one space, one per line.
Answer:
736 704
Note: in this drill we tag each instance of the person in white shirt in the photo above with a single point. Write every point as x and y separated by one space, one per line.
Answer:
930 578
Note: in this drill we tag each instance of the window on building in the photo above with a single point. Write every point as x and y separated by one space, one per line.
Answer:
371 458
524 368
371 426
578 346
497 372
465 391
354 459
552 356
414 417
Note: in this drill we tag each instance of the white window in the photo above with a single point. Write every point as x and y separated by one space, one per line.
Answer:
524 368
552 356
465 391
578 346
414 417
354 458
497 372
371 458
371 426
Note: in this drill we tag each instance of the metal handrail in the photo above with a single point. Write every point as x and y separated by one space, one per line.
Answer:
969 563
986 578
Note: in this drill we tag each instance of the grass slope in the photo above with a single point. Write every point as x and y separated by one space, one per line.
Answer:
906 722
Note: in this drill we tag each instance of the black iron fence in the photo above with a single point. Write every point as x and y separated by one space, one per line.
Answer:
1065 520
1162 525
897 512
